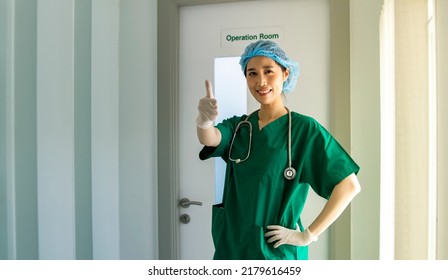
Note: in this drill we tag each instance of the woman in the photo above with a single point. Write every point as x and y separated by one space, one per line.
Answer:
273 158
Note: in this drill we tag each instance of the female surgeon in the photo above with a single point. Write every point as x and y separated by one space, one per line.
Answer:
273 156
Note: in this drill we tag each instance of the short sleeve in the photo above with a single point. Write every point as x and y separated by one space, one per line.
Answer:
326 162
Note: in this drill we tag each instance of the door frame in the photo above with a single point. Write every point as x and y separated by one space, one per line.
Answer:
168 115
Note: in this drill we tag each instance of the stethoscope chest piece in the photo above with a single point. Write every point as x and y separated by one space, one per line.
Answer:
289 173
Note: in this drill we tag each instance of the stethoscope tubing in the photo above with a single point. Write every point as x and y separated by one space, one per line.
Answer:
240 124
290 172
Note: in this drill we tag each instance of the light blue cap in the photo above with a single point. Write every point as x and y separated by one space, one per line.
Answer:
274 52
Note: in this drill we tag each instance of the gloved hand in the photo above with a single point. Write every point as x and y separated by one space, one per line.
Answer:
289 236
208 108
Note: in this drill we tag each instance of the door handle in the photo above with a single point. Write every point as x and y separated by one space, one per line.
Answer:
185 203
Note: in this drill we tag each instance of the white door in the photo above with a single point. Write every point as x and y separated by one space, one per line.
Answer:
212 37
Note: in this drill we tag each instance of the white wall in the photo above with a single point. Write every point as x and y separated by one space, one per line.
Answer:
365 125
78 129
138 129
3 223
18 131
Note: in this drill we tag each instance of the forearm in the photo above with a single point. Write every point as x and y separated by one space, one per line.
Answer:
209 137
342 195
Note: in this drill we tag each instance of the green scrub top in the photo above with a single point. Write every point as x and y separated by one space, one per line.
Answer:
256 194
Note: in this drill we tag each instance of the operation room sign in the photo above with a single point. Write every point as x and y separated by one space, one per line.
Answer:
244 36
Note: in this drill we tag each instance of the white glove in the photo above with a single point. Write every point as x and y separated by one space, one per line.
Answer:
289 236
208 108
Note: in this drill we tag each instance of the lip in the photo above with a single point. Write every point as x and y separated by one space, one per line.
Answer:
264 91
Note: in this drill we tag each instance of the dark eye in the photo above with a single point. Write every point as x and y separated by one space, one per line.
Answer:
251 73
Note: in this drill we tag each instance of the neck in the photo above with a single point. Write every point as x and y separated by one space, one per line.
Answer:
269 113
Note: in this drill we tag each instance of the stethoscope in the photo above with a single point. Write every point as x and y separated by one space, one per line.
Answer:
290 172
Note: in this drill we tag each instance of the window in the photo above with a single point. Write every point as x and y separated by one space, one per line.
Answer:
408 130
232 101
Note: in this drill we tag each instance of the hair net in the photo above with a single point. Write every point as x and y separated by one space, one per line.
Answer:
273 51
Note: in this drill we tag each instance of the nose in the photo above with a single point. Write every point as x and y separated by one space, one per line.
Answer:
262 81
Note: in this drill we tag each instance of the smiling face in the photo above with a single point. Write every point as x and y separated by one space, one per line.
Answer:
265 79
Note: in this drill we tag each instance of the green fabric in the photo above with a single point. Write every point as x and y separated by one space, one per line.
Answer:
255 192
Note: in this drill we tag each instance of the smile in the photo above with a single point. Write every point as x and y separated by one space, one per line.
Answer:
264 91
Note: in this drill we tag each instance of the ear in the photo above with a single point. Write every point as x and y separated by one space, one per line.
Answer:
285 75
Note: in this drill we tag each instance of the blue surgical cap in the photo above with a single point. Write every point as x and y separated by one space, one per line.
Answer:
274 52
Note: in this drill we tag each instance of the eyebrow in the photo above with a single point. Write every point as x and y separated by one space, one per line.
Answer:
264 67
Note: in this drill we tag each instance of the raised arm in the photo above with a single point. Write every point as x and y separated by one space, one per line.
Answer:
208 111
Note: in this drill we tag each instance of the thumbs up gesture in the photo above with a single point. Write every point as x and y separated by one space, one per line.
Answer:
208 108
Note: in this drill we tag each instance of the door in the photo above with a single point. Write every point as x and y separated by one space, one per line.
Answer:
212 37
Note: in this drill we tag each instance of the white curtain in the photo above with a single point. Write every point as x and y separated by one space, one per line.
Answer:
409 128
